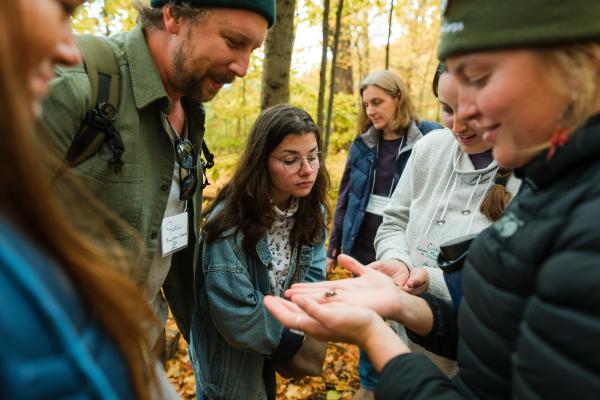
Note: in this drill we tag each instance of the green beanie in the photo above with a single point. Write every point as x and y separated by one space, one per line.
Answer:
476 25
266 8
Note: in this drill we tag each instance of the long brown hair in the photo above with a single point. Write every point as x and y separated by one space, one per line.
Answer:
35 209
497 198
245 198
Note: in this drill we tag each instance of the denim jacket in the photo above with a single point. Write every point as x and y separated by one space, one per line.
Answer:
232 332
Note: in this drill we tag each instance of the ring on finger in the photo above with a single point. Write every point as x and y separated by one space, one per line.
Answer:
297 323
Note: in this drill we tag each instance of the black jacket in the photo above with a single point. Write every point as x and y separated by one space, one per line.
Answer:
529 320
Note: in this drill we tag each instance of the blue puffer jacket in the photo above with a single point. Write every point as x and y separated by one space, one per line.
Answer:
353 195
51 346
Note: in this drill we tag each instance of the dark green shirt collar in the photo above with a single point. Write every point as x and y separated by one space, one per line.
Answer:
147 84
145 79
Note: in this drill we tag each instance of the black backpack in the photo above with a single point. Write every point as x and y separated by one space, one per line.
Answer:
97 127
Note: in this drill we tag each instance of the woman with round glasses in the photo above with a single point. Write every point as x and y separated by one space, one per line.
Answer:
264 231
529 320
388 132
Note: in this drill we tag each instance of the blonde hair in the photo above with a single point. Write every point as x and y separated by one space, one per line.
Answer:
579 66
574 71
397 89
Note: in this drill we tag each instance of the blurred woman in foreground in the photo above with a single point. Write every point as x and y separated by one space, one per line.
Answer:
71 325
530 315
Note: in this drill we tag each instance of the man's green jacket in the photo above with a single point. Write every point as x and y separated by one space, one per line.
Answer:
139 192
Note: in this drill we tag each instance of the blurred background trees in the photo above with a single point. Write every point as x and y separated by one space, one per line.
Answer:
295 66
289 67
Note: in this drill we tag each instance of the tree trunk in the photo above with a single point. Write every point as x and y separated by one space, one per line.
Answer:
344 82
362 45
278 57
105 20
336 39
387 46
323 72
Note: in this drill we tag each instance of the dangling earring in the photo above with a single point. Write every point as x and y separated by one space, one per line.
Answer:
558 139
561 134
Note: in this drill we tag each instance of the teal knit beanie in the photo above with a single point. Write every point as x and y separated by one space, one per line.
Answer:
266 8
476 25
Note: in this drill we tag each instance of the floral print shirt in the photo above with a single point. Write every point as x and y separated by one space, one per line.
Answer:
278 239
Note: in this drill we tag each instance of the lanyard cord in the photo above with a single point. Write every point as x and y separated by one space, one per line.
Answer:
403 143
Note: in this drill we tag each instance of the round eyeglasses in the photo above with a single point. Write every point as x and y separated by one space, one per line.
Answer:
293 164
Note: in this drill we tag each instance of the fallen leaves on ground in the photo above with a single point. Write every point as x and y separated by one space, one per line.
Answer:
338 381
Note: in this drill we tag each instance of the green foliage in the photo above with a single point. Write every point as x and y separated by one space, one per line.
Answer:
345 115
231 114
233 111
104 17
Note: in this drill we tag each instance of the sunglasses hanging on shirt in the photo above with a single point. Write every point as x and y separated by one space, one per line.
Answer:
186 157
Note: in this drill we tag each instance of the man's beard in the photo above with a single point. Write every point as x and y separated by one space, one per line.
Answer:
190 84
184 82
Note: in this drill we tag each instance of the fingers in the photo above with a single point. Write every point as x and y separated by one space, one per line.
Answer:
321 284
386 267
334 321
316 293
294 317
281 311
414 290
312 308
418 281
350 264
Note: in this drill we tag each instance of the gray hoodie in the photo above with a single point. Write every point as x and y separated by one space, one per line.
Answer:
436 200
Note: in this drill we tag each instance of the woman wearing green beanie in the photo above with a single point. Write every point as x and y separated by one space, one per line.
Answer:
529 320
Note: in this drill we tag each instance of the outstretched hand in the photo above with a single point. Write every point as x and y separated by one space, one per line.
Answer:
328 322
395 269
337 322
371 289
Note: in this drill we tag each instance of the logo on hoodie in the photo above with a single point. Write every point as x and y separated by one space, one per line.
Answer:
508 225
452 27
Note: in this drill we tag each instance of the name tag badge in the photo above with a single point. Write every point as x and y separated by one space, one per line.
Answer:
377 204
174 233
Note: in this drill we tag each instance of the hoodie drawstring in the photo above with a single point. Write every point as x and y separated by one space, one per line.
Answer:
452 164
467 210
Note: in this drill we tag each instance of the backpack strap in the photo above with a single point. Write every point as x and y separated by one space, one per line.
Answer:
210 157
98 125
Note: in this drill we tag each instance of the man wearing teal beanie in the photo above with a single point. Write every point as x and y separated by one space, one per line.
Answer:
266 8
179 56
